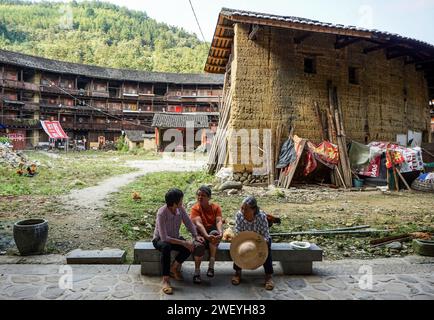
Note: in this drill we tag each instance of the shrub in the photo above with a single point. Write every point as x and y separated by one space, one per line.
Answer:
121 145
4 140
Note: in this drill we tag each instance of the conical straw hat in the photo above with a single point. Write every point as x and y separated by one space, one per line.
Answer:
249 250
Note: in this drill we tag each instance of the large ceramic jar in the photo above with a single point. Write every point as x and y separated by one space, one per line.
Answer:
30 236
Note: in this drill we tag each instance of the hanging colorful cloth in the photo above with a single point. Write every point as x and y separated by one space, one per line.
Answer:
394 158
326 153
311 163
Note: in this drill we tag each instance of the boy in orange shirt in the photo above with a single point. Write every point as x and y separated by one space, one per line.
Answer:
207 218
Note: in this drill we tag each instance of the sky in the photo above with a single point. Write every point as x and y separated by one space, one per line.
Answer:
413 18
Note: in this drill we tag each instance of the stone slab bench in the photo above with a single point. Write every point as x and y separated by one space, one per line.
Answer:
112 256
293 262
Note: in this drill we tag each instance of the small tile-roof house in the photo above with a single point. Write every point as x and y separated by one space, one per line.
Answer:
134 138
169 124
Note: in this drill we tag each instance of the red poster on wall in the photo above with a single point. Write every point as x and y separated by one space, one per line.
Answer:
18 140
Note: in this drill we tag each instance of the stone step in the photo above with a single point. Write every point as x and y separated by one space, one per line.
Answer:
109 256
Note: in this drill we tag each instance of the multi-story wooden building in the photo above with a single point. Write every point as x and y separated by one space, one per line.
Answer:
90 101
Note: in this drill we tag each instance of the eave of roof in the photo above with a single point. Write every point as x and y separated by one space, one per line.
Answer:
56 66
221 44
176 120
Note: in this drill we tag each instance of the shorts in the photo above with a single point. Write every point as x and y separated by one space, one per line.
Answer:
211 231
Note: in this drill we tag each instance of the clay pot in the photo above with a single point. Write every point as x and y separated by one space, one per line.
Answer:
30 236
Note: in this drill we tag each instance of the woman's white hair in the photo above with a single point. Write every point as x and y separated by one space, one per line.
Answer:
252 203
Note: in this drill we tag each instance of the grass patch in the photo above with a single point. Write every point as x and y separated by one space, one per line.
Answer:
59 175
135 220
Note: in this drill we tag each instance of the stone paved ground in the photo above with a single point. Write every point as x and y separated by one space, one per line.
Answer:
403 278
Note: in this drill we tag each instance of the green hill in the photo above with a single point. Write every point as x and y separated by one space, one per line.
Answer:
98 33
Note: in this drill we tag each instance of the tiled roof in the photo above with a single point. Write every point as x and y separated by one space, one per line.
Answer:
56 66
235 12
135 135
170 120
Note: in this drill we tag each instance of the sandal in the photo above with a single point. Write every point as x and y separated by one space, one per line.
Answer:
236 279
210 273
269 284
167 289
197 279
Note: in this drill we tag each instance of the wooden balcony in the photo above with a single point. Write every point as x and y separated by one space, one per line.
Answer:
49 104
21 123
100 94
31 106
131 126
19 85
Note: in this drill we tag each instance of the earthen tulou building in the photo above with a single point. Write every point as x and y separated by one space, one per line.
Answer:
90 101
277 68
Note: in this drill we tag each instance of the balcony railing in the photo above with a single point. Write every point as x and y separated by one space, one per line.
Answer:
19 85
20 123
100 94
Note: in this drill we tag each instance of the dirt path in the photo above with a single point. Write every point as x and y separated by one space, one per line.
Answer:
93 198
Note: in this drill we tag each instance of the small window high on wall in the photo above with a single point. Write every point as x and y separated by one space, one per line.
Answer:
310 65
353 75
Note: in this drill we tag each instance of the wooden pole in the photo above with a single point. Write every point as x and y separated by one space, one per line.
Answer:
319 118
340 177
388 178
332 134
345 161
403 180
396 179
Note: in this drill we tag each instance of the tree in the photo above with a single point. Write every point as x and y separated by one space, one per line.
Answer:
102 34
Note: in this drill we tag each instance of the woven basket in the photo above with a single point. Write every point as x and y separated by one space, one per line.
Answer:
424 186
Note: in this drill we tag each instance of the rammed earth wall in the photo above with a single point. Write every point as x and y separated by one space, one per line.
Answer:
271 87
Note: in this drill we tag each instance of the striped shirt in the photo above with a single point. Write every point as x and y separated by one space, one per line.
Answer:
168 224
258 225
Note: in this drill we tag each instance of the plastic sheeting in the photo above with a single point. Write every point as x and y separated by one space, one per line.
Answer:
287 154
359 154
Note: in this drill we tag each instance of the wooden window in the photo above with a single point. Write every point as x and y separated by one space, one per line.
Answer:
310 65
11 95
100 87
11 74
353 75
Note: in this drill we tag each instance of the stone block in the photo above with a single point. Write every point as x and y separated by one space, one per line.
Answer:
297 268
151 268
112 256
284 252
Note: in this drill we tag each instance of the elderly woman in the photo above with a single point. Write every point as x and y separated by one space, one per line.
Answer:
252 218
207 218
